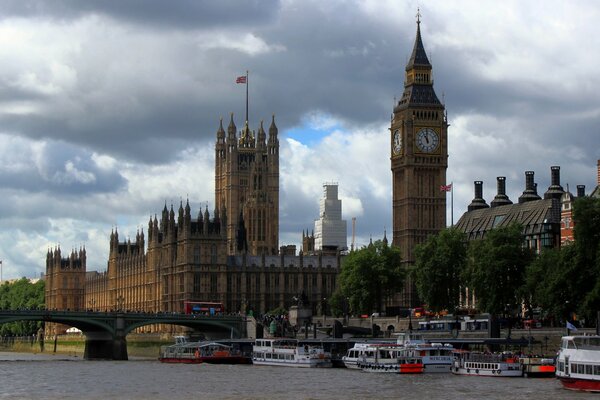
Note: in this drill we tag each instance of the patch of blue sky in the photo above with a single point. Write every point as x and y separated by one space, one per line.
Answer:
313 129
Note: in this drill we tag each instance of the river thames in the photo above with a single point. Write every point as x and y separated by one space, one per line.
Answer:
37 376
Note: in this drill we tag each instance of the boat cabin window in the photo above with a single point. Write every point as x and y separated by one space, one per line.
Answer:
587 342
568 344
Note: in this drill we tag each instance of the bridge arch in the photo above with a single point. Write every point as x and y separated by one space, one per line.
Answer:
105 332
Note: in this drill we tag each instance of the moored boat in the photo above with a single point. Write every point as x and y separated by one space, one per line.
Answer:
202 352
482 364
289 353
578 363
436 357
537 367
356 353
390 358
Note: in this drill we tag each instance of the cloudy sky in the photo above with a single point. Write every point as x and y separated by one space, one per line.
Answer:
109 109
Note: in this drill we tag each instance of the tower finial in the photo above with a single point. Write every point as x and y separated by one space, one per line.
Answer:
418 15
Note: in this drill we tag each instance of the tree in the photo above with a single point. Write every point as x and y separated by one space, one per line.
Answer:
496 269
586 216
369 276
18 295
552 280
438 267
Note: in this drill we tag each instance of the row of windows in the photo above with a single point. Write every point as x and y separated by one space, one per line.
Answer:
271 356
584 369
475 365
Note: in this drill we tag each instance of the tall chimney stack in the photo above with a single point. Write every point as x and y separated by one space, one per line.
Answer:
555 191
580 190
501 198
530 192
478 202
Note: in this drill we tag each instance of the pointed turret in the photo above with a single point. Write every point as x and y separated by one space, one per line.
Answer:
220 132
231 131
262 137
180 215
206 220
273 132
418 56
418 83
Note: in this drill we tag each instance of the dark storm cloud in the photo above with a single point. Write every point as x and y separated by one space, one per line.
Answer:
170 14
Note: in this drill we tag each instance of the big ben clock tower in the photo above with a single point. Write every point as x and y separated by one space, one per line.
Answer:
419 159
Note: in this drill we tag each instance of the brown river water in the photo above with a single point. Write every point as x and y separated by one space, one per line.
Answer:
43 376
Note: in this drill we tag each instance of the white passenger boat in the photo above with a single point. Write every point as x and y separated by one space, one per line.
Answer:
357 353
481 364
436 357
289 353
389 358
380 358
578 363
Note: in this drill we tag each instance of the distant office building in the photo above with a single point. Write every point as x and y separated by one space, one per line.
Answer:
331 231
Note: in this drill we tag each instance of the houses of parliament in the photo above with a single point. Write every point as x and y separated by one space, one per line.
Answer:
230 256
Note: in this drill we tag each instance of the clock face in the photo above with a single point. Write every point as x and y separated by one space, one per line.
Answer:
397 142
427 140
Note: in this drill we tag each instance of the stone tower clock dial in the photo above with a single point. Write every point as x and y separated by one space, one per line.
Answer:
427 140
397 142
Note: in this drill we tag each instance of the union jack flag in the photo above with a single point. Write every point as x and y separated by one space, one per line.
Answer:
446 188
240 79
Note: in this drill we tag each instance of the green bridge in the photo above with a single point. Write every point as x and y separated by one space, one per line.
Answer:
106 332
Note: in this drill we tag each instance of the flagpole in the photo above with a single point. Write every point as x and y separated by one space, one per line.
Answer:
247 83
451 203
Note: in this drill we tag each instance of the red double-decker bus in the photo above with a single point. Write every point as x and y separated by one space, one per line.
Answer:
203 307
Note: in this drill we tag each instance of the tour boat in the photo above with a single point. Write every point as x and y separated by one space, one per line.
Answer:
202 352
537 367
289 353
481 364
578 363
436 357
360 351
390 358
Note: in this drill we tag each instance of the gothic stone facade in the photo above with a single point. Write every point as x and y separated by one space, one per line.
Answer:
230 260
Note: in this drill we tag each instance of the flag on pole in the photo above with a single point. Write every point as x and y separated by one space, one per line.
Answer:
446 188
240 79
571 327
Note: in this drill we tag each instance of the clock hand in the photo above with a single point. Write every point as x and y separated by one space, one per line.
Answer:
427 137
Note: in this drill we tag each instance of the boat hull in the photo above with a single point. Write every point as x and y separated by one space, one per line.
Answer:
585 385
207 360
173 360
319 364
487 372
392 368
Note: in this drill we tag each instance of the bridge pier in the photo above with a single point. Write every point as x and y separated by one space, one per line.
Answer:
103 346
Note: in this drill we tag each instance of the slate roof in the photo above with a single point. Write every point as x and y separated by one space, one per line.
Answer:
532 215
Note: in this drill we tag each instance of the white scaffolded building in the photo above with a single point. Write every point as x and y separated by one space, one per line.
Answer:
330 228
